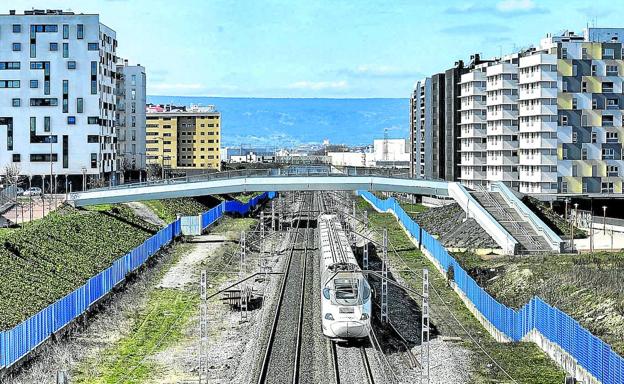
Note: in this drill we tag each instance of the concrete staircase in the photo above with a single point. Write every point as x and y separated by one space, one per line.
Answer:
529 240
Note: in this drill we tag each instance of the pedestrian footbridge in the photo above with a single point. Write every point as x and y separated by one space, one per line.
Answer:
349 179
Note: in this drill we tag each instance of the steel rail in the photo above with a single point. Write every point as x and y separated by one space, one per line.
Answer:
367 367
267 355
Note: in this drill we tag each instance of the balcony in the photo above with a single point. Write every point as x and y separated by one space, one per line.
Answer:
472 91
502 160
502 84
502 145
537 93
501 175
534 126
468 104
472 146
536 76
502 115
469 173
502 99
536 159
473 119
470 132
535 110
504 129
537 176
532 143
473 161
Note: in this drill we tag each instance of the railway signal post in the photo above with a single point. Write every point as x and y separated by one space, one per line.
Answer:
424 340
384 280
203 328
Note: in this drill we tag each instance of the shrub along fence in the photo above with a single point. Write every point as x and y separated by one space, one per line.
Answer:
18 342
591 353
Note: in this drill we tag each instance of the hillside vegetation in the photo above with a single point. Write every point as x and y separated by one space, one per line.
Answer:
588 287
48 258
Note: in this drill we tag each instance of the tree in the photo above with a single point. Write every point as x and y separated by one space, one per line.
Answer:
154 171
12 174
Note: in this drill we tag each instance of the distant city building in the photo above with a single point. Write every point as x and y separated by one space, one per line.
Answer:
247 155
183 137
384 153
545 120
58 85
131 86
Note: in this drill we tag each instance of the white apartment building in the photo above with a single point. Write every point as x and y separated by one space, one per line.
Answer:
502 122
473 131
57 110
131 89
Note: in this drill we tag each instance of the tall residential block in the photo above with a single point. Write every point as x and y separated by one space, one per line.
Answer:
57 110
545 120
184 138
131 119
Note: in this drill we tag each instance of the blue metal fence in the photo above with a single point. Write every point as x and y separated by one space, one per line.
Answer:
26 336
591 353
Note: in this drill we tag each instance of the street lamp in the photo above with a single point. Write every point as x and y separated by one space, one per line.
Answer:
572 222
604 219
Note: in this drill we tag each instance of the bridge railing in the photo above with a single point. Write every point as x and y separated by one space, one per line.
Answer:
307 171
594 355
18 342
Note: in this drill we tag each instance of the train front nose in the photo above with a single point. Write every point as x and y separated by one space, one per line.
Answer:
349 329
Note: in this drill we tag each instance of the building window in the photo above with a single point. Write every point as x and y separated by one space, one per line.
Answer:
608 53
53 46
584 86
594 137
65 31
608 154
133 94
16 102
574 103
574 137
93 139
79 105
17 28
594 70
575 171
564 53
9 83
612 171
584 154
46 124
92 46
564 120
607 86
16 158
65 50
594 104
34 83
94 160
43 158
71 64
71 120
80 31
17 47
612 137
92 120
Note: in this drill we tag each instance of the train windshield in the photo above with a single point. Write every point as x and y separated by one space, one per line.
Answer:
351 291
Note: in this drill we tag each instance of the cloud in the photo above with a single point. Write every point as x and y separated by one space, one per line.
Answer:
507 8
319 85
379 71
475 29
594 12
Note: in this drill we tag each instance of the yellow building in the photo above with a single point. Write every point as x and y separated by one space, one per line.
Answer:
183 139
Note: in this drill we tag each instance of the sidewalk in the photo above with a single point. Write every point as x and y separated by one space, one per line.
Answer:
612 240
28 209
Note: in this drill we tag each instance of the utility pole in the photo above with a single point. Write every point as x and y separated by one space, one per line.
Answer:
203 328
365 256
384 278
424 339
604 220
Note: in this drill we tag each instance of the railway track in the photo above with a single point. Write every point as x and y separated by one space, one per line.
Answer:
351 364
282 358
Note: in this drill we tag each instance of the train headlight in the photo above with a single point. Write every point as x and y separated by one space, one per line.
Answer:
364 316
326 293
328 316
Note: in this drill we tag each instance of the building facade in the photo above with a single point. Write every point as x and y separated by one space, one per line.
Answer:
131 118
57 111
545 120
184 138
427 128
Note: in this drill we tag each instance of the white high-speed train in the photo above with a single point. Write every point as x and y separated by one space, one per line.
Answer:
345 292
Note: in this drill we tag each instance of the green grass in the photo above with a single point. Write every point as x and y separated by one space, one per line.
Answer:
168 209
99 207
588 287
525 362
46 259
157 326
245 197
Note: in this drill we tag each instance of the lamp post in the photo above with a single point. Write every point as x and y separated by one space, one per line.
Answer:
84 178
51 173
572 222
604 219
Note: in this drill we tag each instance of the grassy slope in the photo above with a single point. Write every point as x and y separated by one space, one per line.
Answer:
162 322
167 209
523 361
48 258
590 288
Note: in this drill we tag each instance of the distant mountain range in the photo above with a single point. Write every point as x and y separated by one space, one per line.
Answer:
288 122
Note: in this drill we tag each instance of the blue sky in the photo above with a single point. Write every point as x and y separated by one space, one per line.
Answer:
321 48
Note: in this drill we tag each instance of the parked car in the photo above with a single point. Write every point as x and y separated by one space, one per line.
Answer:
33 191
20 191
